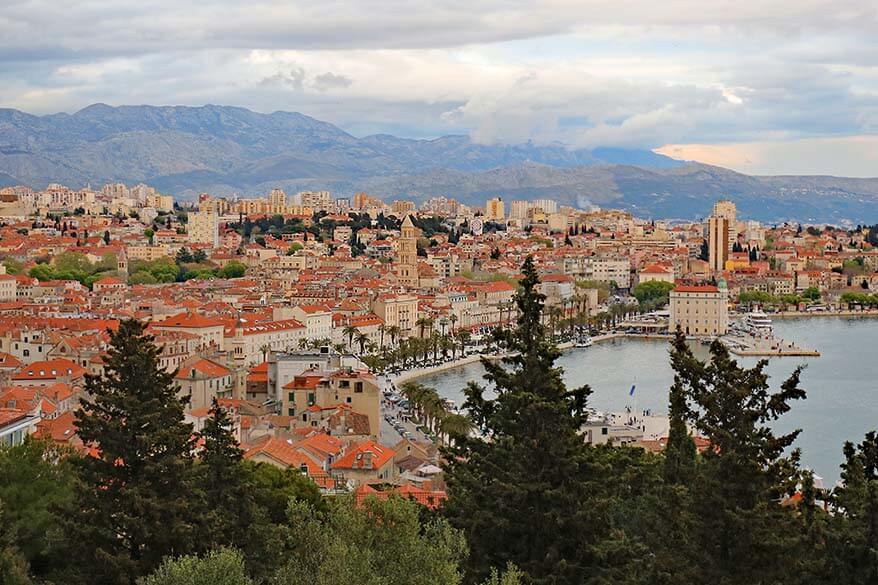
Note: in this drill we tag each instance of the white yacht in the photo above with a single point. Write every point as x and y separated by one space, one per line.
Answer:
584 342
758 323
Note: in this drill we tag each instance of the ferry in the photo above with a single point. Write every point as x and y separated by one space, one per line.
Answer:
758 323
584 342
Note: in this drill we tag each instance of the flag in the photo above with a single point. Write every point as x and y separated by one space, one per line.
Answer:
631 392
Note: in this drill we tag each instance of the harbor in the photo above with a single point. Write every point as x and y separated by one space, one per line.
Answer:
754 336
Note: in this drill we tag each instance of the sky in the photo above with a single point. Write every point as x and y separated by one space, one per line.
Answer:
760 86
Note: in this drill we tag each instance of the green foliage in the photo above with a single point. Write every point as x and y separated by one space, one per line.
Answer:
380 542
74 266
275 487
13 565
13 266
36 479
853 529
142 277
134 501
511 576
812 293
862 299
653 294
529 480
161 270
742 534
232 270
219 567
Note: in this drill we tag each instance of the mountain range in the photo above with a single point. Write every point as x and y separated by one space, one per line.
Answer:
229 150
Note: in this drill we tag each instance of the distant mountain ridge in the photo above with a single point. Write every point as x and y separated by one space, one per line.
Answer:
231 150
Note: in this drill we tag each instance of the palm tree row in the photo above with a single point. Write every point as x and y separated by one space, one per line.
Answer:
432 411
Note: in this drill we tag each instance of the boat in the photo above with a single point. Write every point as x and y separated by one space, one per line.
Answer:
583 342
758 323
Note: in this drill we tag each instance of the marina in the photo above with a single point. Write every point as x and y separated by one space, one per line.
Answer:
841 385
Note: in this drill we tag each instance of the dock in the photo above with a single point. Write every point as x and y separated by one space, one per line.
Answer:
765 347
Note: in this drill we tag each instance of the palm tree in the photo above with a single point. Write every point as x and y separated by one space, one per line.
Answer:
453 319
423 323
381 331
265 349
443 322
463 337
339 347
350 331
445 344
303 343
453 426
362 340
393 331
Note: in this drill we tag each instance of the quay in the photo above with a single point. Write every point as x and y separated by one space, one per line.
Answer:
765 347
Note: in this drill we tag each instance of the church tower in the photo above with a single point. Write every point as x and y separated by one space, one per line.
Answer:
407 254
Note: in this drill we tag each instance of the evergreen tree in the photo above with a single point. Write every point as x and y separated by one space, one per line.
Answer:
742 533
132 506
222 478
853 540
527 491
13 565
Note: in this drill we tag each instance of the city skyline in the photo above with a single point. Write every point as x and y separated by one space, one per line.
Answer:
765 89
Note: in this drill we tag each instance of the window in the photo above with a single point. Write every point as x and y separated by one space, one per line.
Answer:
291 411
358 387
603 430
312 399
291 396
348 399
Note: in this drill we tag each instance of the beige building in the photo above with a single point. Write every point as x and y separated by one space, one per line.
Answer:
313 390
202 380
699 310
407 254
495 210
397 311
203 228
718 230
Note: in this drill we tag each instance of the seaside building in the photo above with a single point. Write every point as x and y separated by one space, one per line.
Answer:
701 310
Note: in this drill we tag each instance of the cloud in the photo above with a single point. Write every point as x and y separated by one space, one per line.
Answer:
855 156
580 72
294 78
330 80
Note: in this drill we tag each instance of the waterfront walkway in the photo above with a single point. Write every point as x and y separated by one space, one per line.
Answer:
765 347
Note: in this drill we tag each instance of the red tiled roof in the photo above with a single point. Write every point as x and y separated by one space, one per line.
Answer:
49 370
355 459
701 288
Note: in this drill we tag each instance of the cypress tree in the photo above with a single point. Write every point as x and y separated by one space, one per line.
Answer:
853 540
132 506
741 531
526 490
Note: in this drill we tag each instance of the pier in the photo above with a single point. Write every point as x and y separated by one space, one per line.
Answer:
751 346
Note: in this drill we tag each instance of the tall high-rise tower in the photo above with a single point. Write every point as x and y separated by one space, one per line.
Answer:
407 253
722 233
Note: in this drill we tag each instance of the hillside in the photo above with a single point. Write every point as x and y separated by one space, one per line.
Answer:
229 150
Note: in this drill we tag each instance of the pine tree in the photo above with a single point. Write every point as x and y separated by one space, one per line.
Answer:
742 533
13 565
527 490
853 538
222 479
132 506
